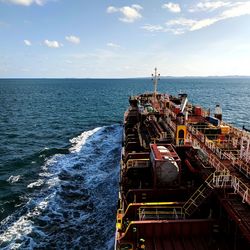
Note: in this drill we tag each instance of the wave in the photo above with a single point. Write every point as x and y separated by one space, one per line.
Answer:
47 152
38 157
80 140
73 201
13 178
37 183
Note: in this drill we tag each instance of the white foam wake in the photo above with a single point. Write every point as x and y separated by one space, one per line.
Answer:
80 140
14 178
21 229
37 183
73 190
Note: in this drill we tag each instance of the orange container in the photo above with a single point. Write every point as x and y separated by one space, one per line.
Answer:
225 129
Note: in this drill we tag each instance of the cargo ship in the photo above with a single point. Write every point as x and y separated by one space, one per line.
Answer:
184 177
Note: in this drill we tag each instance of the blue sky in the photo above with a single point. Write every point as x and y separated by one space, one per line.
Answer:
114 38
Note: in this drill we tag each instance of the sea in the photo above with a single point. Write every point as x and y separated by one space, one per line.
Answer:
60 145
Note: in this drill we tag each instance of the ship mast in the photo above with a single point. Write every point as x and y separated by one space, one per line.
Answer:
155 78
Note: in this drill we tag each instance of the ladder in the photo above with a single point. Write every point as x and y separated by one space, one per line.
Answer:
200 195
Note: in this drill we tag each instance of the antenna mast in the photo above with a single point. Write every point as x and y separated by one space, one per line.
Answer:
155 78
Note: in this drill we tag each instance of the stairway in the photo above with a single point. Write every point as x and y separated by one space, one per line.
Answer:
200 195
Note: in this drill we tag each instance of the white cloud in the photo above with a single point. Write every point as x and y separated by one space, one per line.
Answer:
25 2
113 45
52 44
152 28
203 23
239 9
183 25
181 22
173 7
112 9
176 31
73 39
27 42
40 2
130 13
180 25
137 7
209 6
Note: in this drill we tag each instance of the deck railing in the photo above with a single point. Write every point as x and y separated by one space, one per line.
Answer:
138 163
216 158
161 212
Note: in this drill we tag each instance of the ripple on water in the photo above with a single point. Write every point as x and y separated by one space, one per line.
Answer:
70 209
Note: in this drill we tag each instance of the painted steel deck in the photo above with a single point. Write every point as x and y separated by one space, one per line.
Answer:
208 205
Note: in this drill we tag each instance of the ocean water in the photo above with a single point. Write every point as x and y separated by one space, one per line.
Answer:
60 152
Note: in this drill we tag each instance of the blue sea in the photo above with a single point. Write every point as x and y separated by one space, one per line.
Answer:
60 152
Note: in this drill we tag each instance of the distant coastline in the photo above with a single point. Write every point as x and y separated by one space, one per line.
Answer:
137 77
229 76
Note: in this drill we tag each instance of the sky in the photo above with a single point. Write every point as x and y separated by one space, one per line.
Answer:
118 38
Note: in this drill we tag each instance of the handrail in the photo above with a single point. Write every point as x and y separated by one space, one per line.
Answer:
241 188
142 163
160 212
202 192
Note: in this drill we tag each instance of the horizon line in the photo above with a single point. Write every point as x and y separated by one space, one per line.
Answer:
131 77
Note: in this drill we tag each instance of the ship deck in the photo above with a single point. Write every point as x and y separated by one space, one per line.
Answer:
207 204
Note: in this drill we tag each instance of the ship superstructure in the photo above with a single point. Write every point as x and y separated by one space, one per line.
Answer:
184 178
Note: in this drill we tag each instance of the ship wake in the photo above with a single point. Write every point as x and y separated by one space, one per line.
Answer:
73 203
